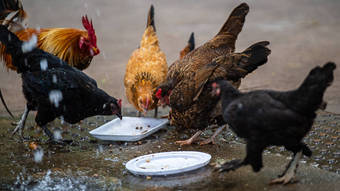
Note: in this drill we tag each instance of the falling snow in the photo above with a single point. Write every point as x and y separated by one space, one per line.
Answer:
38 155
43 64
57 135
55 97
29 45
98 12
54 79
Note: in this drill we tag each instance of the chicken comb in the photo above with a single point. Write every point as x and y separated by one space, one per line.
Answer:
90 30
120 103
159 93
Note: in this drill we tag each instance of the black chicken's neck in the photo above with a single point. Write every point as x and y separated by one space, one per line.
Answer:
99 100
228 93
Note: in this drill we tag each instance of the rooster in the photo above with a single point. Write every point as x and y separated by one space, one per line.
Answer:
146 69
74 46
54 88
186 89
264 118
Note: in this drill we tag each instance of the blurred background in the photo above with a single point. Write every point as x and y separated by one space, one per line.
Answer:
302 34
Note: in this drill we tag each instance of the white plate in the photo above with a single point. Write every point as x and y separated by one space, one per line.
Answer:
167 163
125 129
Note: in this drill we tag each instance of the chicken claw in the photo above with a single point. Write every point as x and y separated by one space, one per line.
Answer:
208 141
212 138
289 174
189 141
231 165
283 180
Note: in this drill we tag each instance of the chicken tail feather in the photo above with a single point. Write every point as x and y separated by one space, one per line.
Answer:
235 21
151 20
189 47
5 105
14 46
248 60
12 14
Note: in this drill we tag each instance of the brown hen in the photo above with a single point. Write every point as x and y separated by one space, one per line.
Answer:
146 69
187 89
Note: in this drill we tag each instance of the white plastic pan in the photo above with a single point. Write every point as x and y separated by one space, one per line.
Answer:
128 129
167 163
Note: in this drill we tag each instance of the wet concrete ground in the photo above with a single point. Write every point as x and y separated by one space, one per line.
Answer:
89 164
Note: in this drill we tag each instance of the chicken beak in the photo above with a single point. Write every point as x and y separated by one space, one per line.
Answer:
95 50
119 115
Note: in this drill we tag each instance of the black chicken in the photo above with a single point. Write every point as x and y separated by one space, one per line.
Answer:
264 118
54 88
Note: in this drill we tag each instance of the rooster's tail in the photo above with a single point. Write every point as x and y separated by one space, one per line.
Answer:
13 45
189 47
12 15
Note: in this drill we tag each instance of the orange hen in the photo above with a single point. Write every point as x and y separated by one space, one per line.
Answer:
146 69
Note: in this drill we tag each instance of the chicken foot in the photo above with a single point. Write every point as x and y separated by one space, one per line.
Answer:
21 124
290 171
190 140
52 139
212 138
231 165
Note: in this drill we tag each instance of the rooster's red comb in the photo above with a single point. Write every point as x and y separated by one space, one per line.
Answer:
90 30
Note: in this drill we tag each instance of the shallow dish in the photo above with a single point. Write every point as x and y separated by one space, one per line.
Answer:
167 163
128 129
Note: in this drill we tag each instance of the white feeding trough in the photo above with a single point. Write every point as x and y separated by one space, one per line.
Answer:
128 129
167 163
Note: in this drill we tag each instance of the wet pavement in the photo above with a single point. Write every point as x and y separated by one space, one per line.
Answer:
89 164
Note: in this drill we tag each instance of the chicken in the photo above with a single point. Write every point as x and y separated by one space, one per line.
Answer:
74 46
146 69
55 89
264 118
189 47
223 43
187 89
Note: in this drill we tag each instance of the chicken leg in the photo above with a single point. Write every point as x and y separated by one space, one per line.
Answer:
156 111
190 140
212 138
290 171
21 123
54 140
